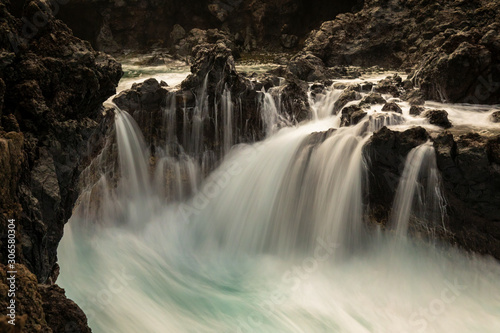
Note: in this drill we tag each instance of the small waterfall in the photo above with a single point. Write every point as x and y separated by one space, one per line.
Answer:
269 112
418 194
322 103
133 155
227 118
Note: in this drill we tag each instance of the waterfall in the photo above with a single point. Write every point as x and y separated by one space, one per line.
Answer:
227 117
273 240
132 151
418 192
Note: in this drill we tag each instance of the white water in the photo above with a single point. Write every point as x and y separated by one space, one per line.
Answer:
274 241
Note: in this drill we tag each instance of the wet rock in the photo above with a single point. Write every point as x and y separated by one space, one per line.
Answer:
294 100
373 98
387 86
416 110
414 97
438 118
366 86
347 96
453 48
386 153
351 115
469 167
392 107
495 117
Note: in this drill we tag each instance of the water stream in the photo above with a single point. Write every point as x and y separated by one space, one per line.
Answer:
273 240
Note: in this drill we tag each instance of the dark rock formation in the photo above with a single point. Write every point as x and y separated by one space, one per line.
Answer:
392 107
416 110
495 117
62 314
373 98
347 96
351 115
453 45
308 67
52 86
386 154
437 117
469 166
213 79
114 25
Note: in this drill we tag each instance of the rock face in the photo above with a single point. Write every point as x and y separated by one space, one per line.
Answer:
114 25
52 85
469 166
386 153
453 46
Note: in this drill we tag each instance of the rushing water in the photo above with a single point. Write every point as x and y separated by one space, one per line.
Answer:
273 240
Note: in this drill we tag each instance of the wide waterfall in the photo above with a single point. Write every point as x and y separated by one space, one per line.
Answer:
275 239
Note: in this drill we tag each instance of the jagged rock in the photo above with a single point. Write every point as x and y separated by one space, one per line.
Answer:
392 107
373 98
347 96
495 117
351 115
61 313
438 118
53 88
416 110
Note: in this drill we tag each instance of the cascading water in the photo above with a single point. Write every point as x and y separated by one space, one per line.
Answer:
274 241
419 192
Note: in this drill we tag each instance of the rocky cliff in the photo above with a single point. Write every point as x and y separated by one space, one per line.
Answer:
52 86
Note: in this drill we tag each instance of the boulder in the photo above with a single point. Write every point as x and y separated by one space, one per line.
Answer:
416 110
347 96
351 115
438 118
495 117
307 67
392 107
372 98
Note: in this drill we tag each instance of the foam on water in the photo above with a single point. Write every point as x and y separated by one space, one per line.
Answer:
274 240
